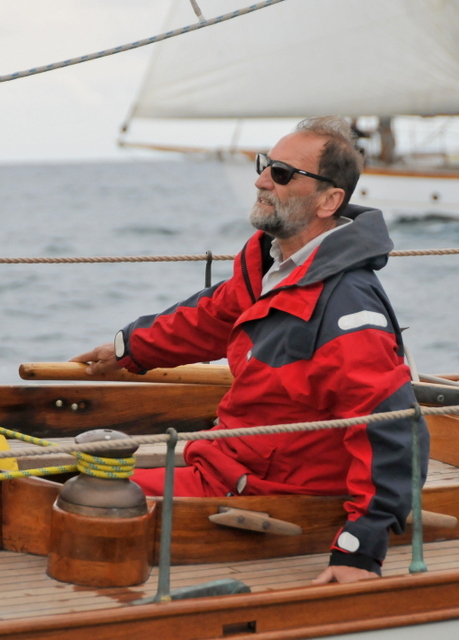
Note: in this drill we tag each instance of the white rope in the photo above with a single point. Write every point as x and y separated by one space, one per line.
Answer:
140 43
231 433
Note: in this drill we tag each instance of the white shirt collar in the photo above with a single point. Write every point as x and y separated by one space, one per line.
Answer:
303 254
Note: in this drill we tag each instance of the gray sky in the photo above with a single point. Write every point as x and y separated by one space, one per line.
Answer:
76 112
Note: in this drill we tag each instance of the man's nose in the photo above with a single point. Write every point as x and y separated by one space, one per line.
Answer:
264 180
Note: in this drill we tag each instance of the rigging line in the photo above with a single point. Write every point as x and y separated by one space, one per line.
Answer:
197 11
192 258
140 43
342 423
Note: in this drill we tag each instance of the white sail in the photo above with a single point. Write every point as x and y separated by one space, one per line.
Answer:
307 57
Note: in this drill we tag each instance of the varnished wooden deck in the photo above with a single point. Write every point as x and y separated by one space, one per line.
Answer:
26 591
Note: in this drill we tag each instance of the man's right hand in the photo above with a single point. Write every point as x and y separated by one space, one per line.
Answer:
100 360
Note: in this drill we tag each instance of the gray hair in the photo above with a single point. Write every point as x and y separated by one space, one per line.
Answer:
341 160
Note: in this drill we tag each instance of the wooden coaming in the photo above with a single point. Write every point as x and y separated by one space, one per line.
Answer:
135 408
58 410
444 438
195 539
26 514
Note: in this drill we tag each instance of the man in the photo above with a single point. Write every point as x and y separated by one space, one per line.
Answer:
309 335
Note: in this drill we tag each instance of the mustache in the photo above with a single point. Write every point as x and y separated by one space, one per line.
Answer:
268 196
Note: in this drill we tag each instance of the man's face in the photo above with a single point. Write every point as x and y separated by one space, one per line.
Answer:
282 219
283 211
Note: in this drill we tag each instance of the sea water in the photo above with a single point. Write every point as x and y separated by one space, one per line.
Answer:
53 312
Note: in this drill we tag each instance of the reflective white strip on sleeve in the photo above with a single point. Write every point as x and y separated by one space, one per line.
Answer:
348 542
360 319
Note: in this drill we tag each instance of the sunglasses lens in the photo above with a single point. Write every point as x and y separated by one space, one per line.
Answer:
261 163
280 174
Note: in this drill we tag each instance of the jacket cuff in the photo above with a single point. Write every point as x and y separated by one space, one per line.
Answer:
128 363
358 560
123 355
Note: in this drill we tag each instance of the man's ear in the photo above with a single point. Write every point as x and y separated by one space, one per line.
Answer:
330 201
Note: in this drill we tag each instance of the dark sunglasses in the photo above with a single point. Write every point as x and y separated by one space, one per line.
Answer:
282 173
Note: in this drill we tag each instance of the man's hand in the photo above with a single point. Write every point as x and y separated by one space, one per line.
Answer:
341 573
100 360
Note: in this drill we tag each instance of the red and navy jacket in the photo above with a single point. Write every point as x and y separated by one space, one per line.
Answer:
323 344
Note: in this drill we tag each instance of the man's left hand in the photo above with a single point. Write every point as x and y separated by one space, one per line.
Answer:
339 573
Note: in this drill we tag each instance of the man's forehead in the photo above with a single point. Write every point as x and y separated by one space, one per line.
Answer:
298 146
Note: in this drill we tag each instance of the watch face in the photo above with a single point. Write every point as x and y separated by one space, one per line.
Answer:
120 348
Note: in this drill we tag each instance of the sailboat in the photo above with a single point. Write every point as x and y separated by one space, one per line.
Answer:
392 68
42 600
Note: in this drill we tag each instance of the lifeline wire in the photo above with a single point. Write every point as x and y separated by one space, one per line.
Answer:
139 43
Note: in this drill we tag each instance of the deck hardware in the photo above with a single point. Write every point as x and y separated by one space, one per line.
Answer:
74 406
89 494
417 562
59 404
99 517
258 521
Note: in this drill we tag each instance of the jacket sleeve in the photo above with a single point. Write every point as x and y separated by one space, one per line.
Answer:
359 370
191 331
196 329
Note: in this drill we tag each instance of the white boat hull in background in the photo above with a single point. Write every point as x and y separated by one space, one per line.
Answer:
410 196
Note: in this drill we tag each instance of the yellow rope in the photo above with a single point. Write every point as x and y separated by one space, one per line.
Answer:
16 435
44 471
86 463
104 467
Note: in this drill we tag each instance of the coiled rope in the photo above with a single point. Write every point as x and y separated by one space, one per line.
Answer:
140 43
235 433
191 258
90 465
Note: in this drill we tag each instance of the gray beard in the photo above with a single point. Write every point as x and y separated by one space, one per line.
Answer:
286 219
